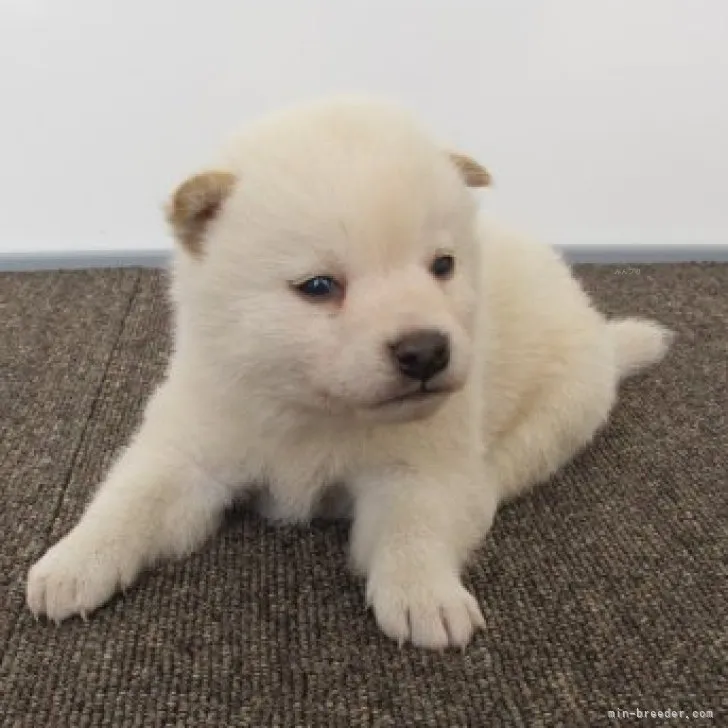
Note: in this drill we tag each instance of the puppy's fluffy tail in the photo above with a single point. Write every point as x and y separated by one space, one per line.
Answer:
638 343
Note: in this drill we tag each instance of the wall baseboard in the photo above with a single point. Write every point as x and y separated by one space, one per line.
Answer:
79 260
605 254
614 254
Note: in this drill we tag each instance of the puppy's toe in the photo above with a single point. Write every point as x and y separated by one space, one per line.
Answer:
393 618
461 617
428 628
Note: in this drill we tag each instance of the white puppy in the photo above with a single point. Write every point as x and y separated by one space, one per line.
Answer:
343 315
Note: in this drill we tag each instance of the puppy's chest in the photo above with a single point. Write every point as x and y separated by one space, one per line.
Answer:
296 471
300 471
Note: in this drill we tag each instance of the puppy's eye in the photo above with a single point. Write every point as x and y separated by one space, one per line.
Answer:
443 266
319 287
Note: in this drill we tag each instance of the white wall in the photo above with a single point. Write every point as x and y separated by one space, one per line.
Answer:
602 121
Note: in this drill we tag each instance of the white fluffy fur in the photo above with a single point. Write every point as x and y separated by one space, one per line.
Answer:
265 387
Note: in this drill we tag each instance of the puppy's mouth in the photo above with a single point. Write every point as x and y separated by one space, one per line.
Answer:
423 394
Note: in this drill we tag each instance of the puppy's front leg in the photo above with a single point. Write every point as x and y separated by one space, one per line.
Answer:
155 501
412 533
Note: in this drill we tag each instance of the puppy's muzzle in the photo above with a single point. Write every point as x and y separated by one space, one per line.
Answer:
420 355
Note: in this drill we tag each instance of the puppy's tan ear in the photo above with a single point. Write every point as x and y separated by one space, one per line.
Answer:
194 204
473 174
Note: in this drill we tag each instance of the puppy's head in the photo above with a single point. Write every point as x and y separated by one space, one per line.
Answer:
332 262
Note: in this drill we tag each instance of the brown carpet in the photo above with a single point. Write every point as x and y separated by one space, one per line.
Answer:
604 590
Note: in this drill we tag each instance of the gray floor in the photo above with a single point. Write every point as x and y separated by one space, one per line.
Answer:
603 590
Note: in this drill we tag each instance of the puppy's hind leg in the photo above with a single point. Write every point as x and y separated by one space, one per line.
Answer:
155 502
564 417
557 426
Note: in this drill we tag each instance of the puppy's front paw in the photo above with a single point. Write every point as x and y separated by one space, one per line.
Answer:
77 575
431 610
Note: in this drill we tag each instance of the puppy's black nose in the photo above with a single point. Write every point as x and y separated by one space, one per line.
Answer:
421 354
